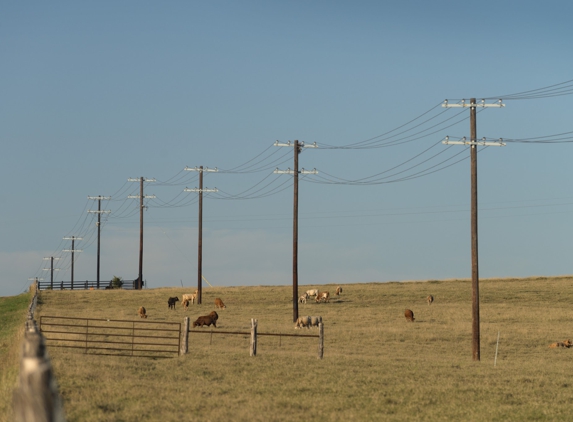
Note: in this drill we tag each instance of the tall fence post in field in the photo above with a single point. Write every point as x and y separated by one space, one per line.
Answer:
185 342
253 337
36 398
320 340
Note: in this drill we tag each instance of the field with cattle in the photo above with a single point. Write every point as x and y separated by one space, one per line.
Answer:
376 365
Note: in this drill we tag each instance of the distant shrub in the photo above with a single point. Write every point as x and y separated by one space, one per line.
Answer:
116 282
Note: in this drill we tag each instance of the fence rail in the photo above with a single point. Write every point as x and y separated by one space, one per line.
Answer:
113 336
84 285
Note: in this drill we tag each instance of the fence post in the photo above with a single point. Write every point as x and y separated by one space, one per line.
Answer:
253 337
320 340
185 342
36 398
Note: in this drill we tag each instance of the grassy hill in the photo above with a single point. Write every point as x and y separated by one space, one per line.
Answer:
376 366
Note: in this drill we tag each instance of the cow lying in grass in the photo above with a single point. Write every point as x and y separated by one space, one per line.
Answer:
141 312
564 343
171 302
207 320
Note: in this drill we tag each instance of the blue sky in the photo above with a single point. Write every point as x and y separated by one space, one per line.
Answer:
93 93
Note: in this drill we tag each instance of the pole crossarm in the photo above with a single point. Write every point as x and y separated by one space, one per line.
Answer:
100 197
482 142
72 250
200 190
72 238
139 196
291 144
202 170
289 171
51 269
499 104
99 212
131 179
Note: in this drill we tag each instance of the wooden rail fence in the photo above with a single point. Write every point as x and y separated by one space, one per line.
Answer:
113 337
84 285
254 334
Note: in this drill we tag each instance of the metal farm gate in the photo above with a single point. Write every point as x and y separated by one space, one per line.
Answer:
113 337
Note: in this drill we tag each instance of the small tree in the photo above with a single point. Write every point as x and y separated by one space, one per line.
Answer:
116 282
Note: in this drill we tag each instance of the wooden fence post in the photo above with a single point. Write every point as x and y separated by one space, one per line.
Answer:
36 398
185 342
320 340
253 337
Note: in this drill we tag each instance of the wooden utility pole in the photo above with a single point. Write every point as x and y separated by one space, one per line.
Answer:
73 239
141 197
473 143
99 212
51 270
297 149
201 170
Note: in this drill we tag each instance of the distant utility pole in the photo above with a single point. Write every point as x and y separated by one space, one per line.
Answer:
473 142
201 170
99 212
51 270
73 239
297 149
141 196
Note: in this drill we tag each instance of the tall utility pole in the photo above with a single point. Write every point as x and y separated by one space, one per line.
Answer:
51 270
139 282
73 239
99 212
201 170
298 146
473 142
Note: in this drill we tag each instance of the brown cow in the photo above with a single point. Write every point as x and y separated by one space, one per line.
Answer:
430 299
565 343
185 304
409 315
207 320
338 291
323 296
141 312
219 303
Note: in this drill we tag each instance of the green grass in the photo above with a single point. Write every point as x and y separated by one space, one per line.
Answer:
12 316
376 365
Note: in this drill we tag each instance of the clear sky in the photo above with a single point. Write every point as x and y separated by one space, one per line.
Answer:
94 93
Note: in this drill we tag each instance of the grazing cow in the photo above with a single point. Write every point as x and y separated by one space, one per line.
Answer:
190 297
409 315
219 303
185 304
430 299
207 320
338 291
141 312
315 320
323 296
303 298
171 302
312 292
303 321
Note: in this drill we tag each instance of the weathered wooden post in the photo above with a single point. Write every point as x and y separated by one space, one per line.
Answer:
320 340
185 343
253 337
37 397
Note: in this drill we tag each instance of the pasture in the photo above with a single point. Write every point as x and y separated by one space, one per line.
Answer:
376 366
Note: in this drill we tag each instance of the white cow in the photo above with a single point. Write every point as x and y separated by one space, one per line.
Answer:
303 321
303 298
190 297
312 292
315 320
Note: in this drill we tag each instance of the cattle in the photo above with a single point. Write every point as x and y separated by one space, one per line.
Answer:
315 320
303 321
219 303
323 296
409 315
303 298
207 320
190 297
430 299
565 343
185 304
312 292
171 302
141 312
338 291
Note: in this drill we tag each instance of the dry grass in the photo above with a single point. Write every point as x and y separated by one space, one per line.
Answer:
376 365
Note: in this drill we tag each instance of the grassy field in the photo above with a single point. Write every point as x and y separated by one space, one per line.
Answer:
13 315
376 366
